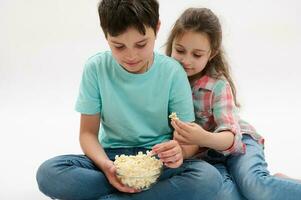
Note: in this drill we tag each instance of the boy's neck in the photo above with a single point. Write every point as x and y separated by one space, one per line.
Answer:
149 64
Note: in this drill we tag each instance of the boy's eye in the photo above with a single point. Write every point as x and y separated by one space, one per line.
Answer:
140 46
119 47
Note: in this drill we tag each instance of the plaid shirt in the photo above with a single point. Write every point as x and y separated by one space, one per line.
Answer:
215 111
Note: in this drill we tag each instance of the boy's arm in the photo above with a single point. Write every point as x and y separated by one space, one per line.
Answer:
89 127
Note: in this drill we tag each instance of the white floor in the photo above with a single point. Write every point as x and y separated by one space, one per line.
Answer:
44 45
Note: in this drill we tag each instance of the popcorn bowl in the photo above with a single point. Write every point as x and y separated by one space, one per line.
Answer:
139 171
143 182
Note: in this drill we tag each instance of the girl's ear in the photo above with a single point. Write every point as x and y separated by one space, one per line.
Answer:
213 54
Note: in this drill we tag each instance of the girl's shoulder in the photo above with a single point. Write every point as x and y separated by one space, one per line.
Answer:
211 83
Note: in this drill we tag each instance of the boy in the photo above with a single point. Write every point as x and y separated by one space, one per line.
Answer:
131 90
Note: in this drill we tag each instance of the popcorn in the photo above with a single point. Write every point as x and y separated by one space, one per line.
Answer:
139 171
173 116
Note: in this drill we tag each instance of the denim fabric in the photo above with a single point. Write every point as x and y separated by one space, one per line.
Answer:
75 177
229 189
254 180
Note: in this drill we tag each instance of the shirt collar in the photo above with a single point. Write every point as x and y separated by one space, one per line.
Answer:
205 82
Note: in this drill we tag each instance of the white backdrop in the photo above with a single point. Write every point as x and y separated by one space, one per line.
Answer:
44 44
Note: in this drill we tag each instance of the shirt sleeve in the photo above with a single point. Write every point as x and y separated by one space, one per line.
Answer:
226 116
89 98
180 100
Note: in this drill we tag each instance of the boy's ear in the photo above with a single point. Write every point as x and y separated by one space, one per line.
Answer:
158 27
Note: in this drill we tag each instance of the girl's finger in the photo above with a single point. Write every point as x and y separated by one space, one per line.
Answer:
180 130
182 125
180 138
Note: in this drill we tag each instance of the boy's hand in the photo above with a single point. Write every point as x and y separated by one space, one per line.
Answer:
170 153
109 170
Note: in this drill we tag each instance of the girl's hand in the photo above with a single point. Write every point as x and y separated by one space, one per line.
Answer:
170 153
189 133
109 170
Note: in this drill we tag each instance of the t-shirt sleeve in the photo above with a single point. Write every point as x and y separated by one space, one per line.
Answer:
180 100
89 98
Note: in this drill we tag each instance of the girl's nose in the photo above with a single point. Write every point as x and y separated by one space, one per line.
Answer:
185 61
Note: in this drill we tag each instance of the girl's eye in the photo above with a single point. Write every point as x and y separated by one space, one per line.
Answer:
140 46
197 55
179 51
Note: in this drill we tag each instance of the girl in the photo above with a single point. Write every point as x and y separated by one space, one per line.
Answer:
226 141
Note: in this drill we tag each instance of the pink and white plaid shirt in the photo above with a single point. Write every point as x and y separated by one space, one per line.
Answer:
215 111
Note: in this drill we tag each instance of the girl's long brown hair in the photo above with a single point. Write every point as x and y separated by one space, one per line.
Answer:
203 20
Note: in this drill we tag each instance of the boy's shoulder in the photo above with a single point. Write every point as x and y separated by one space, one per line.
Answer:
100 61
165 58
100 56
167 62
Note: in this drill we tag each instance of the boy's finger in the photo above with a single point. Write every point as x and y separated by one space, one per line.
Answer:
170 153
164 146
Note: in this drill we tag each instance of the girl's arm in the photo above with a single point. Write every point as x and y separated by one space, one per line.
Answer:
219 141
227 136
192 133
89 127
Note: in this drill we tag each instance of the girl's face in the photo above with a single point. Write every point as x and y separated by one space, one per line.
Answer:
132 50
192 50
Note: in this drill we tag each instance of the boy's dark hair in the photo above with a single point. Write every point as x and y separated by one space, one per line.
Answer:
118 15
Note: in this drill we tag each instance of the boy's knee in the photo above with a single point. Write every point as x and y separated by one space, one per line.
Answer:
46 175
42 176
208 180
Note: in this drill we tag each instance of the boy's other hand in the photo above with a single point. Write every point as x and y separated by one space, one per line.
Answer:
170 153
109 170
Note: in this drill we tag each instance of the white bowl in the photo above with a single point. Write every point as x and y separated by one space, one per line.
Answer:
140 182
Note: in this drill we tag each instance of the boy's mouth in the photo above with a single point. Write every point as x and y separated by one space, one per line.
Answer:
132 64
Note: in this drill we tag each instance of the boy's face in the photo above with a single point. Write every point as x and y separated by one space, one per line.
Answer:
132 50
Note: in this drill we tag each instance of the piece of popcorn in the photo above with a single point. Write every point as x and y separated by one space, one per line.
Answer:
173 116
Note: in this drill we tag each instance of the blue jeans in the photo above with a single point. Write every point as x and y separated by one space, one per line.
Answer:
229 188
76 177
246 177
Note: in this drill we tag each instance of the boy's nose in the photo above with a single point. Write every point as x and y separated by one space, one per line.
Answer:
130 55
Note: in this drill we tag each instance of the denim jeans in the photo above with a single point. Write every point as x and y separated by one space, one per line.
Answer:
253 178
246 177
76 177
229 188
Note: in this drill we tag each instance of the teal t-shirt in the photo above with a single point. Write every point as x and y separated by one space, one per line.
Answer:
134 108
